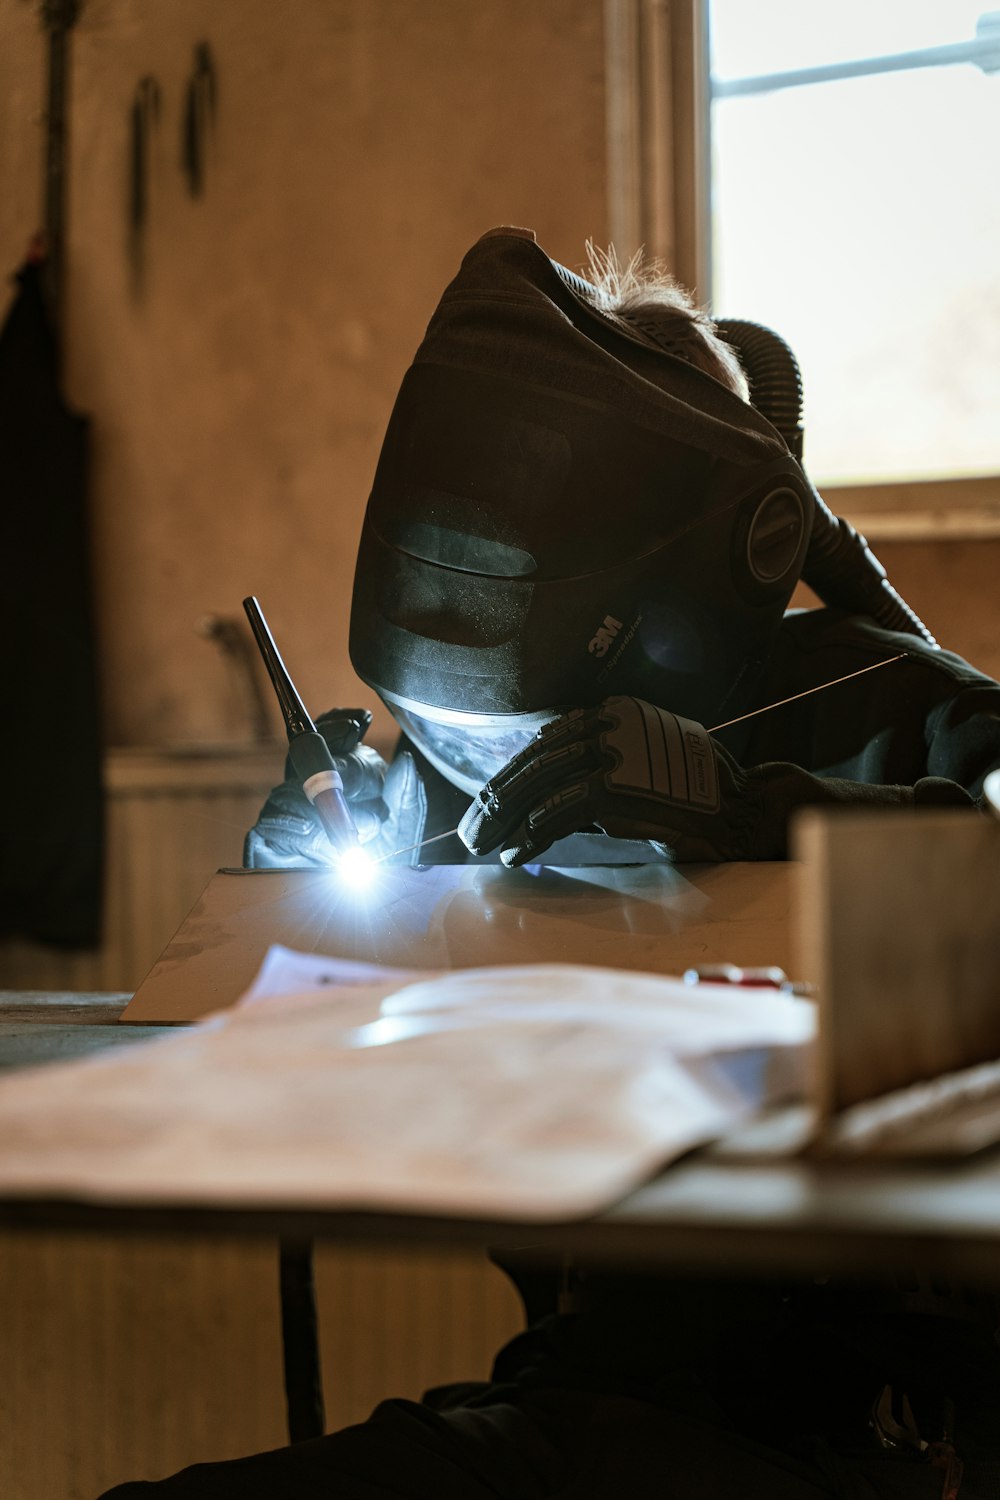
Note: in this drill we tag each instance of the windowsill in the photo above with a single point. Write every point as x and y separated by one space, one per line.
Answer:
920 510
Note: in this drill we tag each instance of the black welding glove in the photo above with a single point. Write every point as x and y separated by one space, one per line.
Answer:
634 771
388 803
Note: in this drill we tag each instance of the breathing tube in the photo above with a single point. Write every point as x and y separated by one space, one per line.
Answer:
840 566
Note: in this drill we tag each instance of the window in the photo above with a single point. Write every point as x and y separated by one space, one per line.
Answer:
855 209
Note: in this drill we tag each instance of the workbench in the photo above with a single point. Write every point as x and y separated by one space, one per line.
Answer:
734 1208
140 1339
728 1206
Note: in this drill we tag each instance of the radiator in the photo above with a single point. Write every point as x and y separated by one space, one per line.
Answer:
172 819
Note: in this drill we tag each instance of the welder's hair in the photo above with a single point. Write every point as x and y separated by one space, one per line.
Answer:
656 308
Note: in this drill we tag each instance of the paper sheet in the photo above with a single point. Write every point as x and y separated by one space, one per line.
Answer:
539 1092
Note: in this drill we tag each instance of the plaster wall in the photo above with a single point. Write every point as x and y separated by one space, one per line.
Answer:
240 357
21 136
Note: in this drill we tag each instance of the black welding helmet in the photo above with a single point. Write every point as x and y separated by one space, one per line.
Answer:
561 512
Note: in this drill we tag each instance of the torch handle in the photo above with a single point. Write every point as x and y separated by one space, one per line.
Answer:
293 710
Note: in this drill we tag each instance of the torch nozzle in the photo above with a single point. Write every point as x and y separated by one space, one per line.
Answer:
325 791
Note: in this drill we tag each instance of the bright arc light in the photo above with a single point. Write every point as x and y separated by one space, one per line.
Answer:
356 866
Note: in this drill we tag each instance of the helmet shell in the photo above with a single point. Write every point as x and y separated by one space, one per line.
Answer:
560 513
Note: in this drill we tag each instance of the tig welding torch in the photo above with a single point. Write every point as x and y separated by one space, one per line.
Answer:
308 751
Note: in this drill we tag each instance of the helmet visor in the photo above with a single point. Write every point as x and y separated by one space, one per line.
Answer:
466 750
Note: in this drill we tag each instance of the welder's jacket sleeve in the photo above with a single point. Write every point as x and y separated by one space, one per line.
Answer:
918 727
922 730
919 732
757 823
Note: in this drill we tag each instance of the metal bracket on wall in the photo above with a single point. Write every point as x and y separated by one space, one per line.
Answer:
58 18
143 117
199 113
233 638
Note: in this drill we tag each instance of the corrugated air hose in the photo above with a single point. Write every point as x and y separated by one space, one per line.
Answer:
840 567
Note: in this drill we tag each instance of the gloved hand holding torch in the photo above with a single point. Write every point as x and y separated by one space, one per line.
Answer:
387 803
337 792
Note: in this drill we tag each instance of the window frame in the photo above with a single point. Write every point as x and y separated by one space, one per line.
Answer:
659 154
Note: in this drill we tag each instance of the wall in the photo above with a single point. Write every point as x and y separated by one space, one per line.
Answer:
21 141
240 378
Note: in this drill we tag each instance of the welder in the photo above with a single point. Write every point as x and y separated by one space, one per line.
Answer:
572 593
578 508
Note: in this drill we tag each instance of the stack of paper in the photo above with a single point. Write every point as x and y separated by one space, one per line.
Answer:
538 1092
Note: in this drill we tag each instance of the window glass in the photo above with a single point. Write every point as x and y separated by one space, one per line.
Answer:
859 216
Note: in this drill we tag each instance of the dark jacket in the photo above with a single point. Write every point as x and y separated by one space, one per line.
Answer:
930 715
924 730
780 1359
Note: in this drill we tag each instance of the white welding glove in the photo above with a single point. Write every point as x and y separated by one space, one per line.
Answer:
388 803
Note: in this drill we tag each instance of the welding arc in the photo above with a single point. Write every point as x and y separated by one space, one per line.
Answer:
766 708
